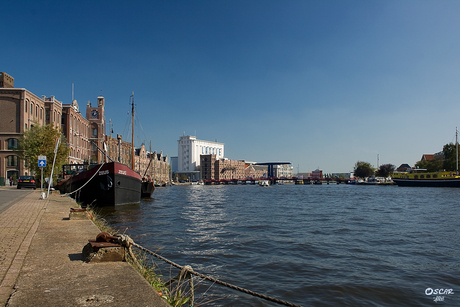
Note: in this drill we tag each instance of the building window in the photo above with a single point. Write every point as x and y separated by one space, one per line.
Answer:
12 144
94 132
25 106
31 108
12 160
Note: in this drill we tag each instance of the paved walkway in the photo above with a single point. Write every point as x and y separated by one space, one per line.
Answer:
41 262
18 225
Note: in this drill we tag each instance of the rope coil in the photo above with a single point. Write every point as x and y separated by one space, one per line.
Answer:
128 243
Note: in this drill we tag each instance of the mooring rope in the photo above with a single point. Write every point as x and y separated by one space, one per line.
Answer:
67 194
128 242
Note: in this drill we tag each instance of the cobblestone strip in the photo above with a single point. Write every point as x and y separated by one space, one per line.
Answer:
18 225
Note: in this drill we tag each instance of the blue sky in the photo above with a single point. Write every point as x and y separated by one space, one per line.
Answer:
317 83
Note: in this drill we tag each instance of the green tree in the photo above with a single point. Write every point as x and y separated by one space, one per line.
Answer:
385 170
450 160
40 141
434 165
363 169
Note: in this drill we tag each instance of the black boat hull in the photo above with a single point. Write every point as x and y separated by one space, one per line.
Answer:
445 183
114 184
147 189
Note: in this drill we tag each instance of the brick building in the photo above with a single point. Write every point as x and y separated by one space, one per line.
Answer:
208 164
152 165
119 150
255 171
75 127
96 118
229 169
22 109
225 169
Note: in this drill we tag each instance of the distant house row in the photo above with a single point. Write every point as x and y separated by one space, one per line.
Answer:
425 157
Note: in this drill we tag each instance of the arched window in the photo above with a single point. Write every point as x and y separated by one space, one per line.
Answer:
12 144
94 129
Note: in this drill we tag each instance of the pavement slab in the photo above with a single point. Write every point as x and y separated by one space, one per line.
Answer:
42 263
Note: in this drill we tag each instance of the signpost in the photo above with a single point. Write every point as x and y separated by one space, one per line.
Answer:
54 161
41 164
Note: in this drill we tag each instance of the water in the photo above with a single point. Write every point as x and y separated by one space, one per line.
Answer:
312 245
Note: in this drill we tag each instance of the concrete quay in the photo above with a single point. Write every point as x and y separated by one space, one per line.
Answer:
41 262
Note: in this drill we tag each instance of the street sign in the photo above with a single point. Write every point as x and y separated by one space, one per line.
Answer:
41 161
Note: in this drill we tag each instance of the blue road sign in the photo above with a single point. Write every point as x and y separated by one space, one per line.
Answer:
41 161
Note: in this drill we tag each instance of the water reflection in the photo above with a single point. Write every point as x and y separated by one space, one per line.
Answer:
310 245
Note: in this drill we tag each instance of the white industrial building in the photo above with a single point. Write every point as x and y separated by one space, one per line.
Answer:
189 151
283 170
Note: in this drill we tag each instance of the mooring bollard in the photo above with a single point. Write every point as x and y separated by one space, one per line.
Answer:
79 214
104 249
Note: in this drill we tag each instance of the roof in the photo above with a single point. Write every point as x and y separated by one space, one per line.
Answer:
403 167
427 157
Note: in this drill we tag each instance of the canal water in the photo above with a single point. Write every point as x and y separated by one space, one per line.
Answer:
312 245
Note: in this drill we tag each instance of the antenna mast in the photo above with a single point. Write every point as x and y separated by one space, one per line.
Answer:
132 131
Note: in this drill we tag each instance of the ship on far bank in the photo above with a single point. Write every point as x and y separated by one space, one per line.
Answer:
423 178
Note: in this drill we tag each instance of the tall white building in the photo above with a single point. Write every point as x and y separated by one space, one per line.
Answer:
189 151
283 170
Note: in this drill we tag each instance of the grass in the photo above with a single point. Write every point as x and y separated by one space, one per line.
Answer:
176 296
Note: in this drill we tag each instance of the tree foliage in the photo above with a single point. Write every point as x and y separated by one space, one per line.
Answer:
363 169
447 161
434 165
40 141
450 160
385 170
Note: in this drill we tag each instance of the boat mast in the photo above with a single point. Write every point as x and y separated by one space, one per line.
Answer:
456 147
132 131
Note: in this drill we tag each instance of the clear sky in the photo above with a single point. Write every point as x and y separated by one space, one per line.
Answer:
317 83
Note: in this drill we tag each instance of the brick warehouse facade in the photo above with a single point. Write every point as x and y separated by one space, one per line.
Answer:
22 109
152 165
76 129
225 169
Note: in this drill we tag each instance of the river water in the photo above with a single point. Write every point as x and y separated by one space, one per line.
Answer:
312 245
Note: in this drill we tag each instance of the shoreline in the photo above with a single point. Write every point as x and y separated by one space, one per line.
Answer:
47 267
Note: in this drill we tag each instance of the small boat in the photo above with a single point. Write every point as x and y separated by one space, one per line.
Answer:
147 188
106 184
264 183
